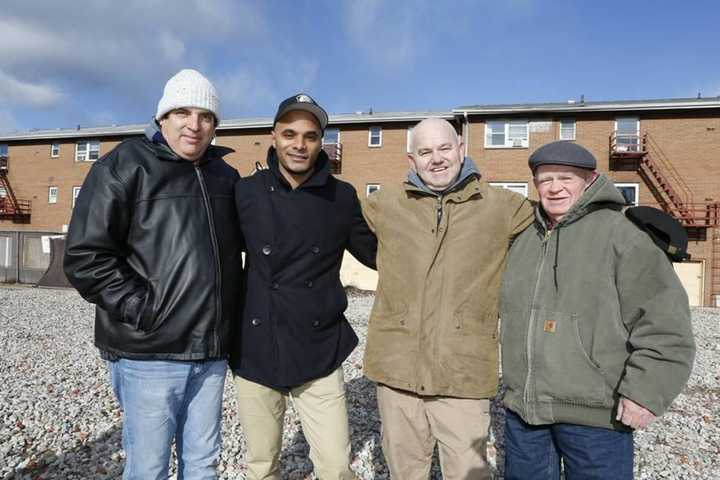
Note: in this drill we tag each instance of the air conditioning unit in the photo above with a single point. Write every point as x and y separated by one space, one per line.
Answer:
517 143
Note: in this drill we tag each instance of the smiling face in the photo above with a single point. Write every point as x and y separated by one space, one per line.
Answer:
298 139
559 187
437 153
188 131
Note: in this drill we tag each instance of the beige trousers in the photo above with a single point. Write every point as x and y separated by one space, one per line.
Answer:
323 415
411 425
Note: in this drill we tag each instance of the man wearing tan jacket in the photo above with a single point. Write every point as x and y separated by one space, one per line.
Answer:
443 238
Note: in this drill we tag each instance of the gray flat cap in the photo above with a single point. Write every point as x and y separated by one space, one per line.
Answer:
562 153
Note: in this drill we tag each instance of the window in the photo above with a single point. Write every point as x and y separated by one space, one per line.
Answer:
52 194
76 192
3 149
87 151
629 191
517 187
506 134
3 193
331 136
567 129
408 142
627 133
55 150
375 137
371 187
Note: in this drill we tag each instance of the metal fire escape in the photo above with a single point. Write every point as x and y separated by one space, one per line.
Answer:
17 211
673 195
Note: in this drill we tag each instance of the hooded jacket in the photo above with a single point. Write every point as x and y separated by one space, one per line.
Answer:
591 310
154 243
292 328
433 327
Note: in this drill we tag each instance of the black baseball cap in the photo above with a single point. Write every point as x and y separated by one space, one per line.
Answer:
302 101
562 152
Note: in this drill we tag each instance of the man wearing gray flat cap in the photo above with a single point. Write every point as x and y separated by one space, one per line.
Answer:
596 335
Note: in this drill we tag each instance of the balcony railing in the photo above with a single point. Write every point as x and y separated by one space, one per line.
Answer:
622 144
334 152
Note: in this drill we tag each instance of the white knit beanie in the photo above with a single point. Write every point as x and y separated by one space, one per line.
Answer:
188 88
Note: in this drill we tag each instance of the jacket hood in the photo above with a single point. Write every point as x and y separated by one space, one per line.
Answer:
467 170
600 194
319 177
163 150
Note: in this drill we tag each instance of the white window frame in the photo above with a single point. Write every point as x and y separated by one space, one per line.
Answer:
53 192
75 193
86 153
560 128
408 140
629 147
508 143
54 150
518 187
636 186
325 142
370 188
379 137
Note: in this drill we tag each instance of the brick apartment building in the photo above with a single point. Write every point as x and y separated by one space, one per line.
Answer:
664 153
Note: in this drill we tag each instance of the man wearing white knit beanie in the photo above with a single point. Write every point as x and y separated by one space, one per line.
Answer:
154 244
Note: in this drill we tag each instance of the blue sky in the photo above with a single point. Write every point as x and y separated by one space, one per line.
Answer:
102 62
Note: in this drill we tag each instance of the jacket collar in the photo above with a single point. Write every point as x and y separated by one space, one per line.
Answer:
468 172
164 152
319 177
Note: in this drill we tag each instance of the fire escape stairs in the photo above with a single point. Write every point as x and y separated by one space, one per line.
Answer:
17 211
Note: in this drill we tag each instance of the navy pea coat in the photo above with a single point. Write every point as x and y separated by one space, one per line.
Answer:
292 329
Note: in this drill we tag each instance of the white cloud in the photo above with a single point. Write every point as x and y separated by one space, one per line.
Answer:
18 92
126 49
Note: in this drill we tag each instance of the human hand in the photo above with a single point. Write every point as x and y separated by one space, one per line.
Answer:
633 415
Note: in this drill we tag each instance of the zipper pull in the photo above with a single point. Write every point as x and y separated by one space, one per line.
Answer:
439 212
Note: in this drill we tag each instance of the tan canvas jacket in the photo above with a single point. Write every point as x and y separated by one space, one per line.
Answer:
433 327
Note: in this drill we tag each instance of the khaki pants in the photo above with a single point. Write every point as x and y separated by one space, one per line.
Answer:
411 425
323 416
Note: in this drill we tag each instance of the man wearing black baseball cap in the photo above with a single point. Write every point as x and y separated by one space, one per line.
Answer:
596 333
297 220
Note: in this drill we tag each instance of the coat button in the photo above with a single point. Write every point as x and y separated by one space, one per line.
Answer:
275 286
316 323
255 322
309 283
272 188
422 388
267 250
316 249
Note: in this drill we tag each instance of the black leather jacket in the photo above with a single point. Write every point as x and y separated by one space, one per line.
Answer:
154 243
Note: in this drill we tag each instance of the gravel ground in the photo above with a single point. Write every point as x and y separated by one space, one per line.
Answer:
60 420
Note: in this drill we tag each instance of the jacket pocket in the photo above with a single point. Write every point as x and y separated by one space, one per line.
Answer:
474 318
389 316
139 309
564 370
513 348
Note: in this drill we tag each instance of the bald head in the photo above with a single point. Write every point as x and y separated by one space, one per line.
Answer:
433 126
437 153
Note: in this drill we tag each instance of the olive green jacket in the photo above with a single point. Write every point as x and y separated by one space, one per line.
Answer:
433 327
591 311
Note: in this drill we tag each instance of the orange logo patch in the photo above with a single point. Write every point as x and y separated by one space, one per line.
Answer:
550 326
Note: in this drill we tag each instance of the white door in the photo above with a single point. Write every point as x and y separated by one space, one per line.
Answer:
691 276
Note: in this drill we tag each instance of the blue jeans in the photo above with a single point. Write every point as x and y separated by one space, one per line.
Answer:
162 400
588 453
